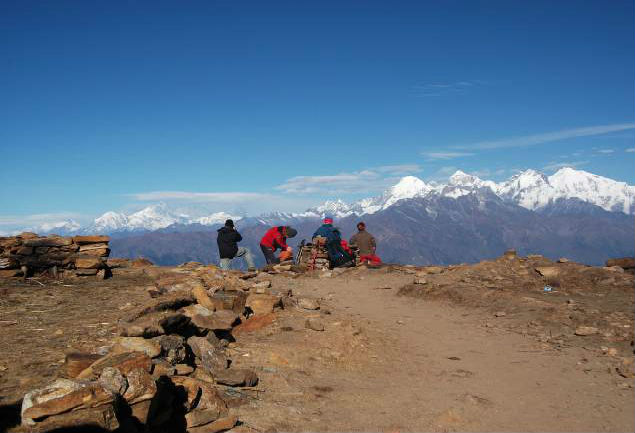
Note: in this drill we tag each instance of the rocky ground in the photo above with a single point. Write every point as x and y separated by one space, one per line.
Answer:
463 348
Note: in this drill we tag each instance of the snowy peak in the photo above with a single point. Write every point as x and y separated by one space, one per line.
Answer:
60 227
409 187
607 193
155 217
337 208
532 190
150 218
334 208
528 179
460 178
529 189
109 222
216 218
461 183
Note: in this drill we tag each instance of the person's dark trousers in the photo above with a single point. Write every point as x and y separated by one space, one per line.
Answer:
338 256
269 256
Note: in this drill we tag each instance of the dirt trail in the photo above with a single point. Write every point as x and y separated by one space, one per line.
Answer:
383 362
431 366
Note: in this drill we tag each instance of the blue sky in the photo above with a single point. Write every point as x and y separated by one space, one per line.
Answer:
260 105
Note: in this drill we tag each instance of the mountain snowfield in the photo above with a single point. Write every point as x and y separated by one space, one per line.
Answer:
152 218
529 189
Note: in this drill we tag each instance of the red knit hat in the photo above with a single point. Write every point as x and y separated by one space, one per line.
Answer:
328 220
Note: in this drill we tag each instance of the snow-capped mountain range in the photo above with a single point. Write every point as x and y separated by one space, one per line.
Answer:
152 218
529 189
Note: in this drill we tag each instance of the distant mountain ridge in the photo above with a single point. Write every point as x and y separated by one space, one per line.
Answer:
427 230
529 189
571 213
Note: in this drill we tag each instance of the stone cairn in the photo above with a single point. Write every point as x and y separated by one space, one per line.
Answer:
313 255
28 253
170 367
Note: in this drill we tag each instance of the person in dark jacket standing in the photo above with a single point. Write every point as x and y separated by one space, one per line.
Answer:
228 238
276 237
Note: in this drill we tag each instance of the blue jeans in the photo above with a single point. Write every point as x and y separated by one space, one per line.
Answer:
225 264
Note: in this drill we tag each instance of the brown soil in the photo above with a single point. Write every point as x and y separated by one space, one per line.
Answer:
393 356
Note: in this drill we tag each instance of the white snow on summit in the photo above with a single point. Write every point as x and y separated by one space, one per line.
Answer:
153 217
408 187
461 184
67 225
529 189
533 190
336 208
216 218
601 191
109 222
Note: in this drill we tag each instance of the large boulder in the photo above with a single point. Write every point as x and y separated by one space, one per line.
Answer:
90 239
75 363
137 344
88 262
221 320
141 386
626 263
211 356
237 377
233 300
124 362
103 418
173 348
55 400
53 241
263 303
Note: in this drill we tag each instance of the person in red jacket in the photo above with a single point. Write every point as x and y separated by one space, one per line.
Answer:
276 237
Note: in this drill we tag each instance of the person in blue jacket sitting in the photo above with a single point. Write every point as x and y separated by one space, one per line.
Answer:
337 255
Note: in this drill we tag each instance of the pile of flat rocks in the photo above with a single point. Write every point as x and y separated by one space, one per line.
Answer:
28 253
313 256
170 367
626 263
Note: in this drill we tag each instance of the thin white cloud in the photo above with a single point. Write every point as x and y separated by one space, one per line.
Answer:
365 181
432 156
552 166
217 197
40 218
235 203
443 173
448 170
531 140
440 89
606 151
14 224
630 150
399 170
